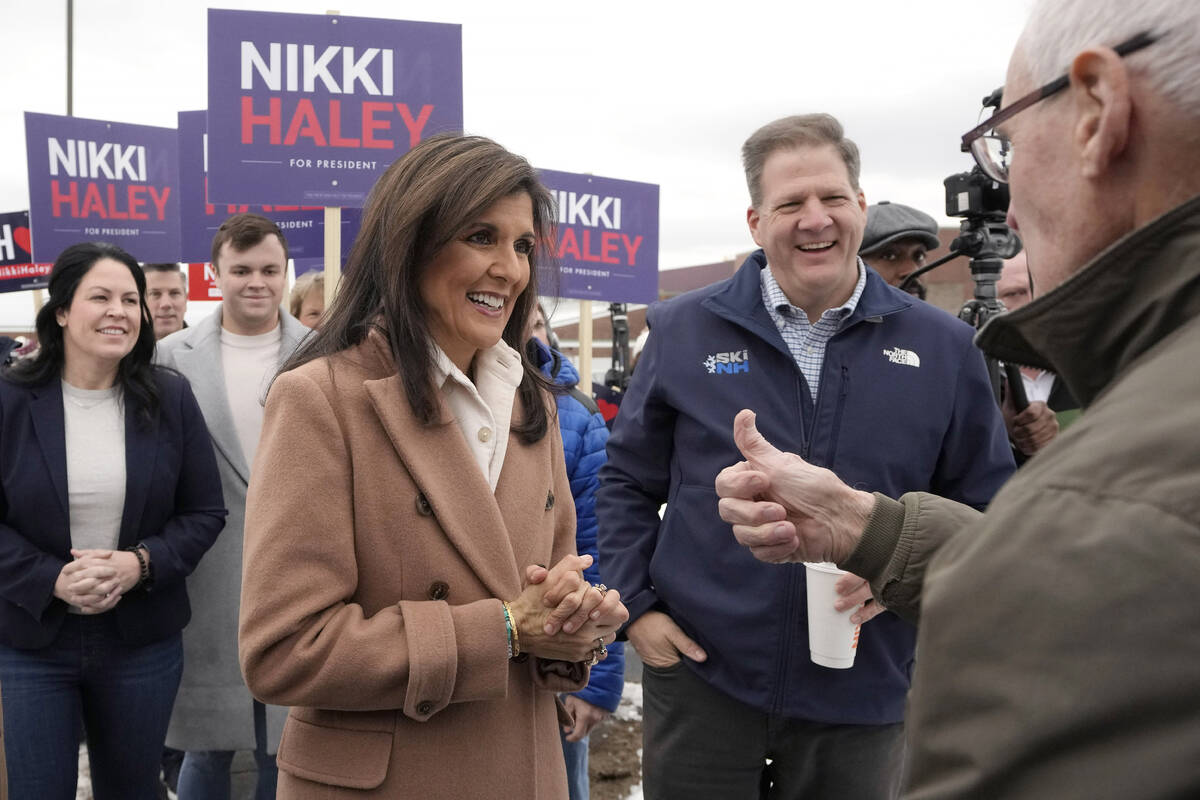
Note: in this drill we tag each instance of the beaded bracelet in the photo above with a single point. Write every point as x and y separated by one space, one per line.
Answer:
143 565
513 649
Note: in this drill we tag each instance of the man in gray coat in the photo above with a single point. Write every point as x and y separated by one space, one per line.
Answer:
1059 642
230 358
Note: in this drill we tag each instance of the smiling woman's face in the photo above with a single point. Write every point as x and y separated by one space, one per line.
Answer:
102 323
471 286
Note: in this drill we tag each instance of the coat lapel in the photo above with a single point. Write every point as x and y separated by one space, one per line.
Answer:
141 454
441 464
523 503
199 360
50 426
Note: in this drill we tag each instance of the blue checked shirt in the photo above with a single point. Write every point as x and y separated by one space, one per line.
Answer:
805 340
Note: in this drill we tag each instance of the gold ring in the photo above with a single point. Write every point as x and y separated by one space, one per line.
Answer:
600 587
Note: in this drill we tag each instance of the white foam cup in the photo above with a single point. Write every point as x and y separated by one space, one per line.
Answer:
832 637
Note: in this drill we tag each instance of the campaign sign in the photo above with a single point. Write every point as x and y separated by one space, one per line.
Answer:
91 180
311 109
607 243
202 282
17 270
302 226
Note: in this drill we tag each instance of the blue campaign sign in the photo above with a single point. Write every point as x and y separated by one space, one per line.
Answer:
303 227
607 243
310 109
17 269
92 180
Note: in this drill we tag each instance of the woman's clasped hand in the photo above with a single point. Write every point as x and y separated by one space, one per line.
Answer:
95 580
561 616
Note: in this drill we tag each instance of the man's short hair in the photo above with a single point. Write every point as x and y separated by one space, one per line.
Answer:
1058 29
166 266
803 130
243 231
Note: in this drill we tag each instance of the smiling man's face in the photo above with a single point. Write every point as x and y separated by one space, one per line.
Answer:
810 225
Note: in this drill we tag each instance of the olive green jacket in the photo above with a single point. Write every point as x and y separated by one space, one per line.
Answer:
1059 644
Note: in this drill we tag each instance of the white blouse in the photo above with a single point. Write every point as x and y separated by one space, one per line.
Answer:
483 409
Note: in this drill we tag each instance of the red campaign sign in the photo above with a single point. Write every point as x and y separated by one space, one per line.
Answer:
18 271
202 282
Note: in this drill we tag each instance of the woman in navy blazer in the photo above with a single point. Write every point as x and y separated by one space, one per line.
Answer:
95 543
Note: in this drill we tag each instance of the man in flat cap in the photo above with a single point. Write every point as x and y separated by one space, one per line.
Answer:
895 242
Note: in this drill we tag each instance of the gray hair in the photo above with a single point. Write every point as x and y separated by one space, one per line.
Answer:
798 131
1059 29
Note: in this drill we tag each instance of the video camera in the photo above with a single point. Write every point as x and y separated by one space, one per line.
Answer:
985 238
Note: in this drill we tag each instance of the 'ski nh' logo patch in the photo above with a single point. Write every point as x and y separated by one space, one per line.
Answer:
898 355
728 363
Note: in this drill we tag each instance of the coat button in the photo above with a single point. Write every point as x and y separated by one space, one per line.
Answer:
423 507
424 707
438 590
549 500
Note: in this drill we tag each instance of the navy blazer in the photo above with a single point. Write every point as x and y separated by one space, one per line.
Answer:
173 505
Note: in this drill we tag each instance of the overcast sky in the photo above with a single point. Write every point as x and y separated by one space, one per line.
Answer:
650 91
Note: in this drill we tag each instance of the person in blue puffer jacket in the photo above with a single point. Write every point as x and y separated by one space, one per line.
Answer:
584 436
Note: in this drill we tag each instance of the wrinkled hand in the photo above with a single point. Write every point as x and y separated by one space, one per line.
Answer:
855 591
587 716
561 616
1031 429
785 509
660 642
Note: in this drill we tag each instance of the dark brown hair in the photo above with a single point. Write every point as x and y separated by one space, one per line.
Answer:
419 205
243 231
135 372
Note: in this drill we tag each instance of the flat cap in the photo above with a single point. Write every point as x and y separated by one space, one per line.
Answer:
889 222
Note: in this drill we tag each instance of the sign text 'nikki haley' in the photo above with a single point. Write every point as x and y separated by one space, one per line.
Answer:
302 226
311 109
607 242
91 180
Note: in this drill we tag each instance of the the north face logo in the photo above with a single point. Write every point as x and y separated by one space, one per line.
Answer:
728 363
898 355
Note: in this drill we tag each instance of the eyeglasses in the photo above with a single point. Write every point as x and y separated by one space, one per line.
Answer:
991 148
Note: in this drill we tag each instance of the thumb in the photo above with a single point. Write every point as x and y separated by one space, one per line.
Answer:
749 441
684 644
535 573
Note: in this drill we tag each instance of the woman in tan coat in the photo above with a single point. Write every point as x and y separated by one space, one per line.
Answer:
408 482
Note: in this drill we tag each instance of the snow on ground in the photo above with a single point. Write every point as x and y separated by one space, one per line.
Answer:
629 710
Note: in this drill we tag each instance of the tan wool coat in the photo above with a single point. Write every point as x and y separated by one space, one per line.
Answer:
376 555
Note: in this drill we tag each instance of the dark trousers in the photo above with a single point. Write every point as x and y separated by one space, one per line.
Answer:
123 693
702 744
205 774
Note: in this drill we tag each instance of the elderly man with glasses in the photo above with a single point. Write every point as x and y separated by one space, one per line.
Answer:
1057 655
